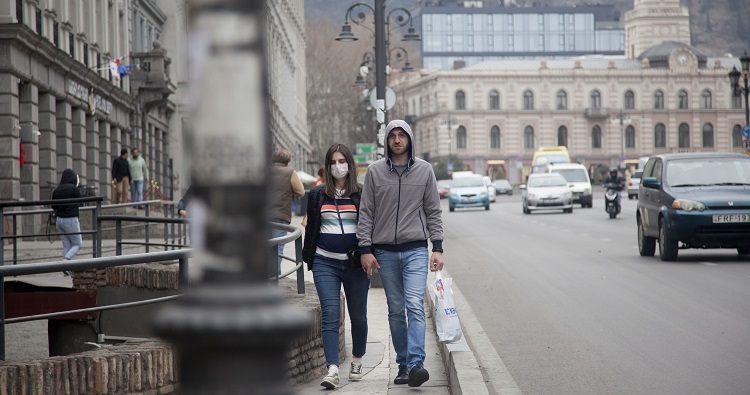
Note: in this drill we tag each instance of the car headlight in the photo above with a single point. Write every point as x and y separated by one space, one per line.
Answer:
482 194
532 196
454 195
587 191
688 205
567 194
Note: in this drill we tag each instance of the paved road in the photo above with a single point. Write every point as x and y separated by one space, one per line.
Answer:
572 308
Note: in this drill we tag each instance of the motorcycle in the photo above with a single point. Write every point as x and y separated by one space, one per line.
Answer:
611 198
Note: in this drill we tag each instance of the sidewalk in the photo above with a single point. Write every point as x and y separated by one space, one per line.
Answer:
379 364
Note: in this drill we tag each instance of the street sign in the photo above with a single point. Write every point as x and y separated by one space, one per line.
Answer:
390 98
746 138
365 148
363 158
449 166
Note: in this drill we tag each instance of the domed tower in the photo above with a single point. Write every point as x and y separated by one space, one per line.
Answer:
652 22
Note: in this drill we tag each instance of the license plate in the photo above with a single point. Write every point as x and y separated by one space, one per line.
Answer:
731 218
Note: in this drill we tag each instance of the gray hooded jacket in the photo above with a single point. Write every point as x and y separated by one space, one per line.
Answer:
399 212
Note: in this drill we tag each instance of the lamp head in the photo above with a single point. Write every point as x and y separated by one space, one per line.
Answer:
407 68
346 33
359 81
734 77
411 35
745 61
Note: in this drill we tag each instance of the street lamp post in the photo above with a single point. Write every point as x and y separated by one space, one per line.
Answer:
449 122
737 90
623 119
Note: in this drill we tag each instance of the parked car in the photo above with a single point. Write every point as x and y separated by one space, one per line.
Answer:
694 200
490 189
503 187
546 191
444 188
634 183
469 191
578 180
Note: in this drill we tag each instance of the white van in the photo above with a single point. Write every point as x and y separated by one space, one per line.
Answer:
578 180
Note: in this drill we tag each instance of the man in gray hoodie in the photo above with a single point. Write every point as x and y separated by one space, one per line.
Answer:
400 208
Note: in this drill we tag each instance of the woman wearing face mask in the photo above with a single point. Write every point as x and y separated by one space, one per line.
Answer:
331 232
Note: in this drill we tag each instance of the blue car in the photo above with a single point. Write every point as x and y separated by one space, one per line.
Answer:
694 200
470 191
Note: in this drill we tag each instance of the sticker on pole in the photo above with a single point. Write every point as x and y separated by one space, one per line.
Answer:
746 138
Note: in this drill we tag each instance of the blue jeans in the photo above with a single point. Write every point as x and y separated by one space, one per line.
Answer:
329 274
71 243
136 191
404 276
279 233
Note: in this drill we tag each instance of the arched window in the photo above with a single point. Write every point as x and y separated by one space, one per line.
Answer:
736 101
630 137
528 137
461 138
495 137
596 99
562 136
494 100
562 100
460 100
596 137
658 100
682 100
737 136
660 135
528 100
706 100
629 102
683 136
708 135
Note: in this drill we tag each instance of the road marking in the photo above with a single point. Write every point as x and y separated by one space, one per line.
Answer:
709 264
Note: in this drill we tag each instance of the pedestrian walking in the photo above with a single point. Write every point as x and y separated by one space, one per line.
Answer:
285 184
67 214
400 208
183 203
330 237
120 177
138 175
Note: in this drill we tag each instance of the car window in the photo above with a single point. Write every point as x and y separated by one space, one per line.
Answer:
502 183
572 175
648 169
557 181
657 170
637 174
708 171
468 182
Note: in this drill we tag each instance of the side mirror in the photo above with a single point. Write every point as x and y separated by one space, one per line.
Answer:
522 186
651 182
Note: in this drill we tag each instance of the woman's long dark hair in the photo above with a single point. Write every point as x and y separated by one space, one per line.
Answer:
350 183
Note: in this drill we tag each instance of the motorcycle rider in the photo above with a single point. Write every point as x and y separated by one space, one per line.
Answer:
614 181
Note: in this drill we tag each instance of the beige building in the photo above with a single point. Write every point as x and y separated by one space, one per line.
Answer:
494 115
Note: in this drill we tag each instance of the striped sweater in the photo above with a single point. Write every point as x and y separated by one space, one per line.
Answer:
332 242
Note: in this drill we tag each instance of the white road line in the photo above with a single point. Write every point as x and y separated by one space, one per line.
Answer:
709 264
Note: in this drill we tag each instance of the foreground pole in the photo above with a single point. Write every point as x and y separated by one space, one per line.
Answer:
231 329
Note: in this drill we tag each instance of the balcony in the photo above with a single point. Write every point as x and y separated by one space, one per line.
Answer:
597 113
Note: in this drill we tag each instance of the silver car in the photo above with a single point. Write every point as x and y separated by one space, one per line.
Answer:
546 192
634 183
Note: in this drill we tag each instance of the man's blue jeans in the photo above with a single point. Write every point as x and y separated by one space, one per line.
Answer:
136 191
329 274
404 276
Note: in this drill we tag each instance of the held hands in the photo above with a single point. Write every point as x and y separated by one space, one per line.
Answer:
436 262
369 264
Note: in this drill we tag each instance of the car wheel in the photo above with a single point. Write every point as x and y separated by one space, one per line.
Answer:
630 197
525 210
510 193
667 247
451 208
743 250
646 245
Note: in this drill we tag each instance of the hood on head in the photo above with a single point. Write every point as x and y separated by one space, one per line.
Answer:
69 176
400 124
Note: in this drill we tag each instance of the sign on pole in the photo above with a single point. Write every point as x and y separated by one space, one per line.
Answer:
746 138
362 158
365 148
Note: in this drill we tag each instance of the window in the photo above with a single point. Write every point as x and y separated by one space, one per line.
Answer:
708 135
660 136
86 54
596 99
683 136
528 137
461 137
658 100
682 100
495 137
19 10
71 45
99 61
736 101
38 21
596 137
460 100
706 100
629 102
56 34
528 100
562 100
737 136
630 137
494 100
562 136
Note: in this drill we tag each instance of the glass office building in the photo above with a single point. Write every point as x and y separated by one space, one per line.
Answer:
473 35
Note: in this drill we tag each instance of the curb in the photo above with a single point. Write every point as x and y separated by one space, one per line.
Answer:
472 364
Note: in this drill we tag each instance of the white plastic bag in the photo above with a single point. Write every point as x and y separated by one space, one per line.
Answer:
446 317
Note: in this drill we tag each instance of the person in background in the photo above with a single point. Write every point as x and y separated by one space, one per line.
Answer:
331 232
120 177
138 175
285 184
182 205
319 180
67 214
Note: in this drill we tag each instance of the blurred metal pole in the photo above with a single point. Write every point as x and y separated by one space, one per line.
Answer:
232 330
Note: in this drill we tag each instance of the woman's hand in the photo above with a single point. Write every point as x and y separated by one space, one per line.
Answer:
369 264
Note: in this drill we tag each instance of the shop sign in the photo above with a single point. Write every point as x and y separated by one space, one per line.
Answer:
95 101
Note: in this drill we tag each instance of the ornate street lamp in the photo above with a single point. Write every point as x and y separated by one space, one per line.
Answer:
741 90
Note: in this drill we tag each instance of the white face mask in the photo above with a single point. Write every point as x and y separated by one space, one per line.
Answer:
339 170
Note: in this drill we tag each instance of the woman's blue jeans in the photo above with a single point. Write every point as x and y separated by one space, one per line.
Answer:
404 276
329 274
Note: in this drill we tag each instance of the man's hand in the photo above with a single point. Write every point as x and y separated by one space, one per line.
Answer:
182 213
436 262
369 264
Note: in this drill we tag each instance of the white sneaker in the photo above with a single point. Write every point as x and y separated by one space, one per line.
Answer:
355 373
330 381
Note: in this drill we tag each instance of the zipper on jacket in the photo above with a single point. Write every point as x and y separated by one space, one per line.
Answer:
422 223
398 207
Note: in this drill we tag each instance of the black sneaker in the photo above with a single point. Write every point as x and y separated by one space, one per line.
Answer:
403 375
418 376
